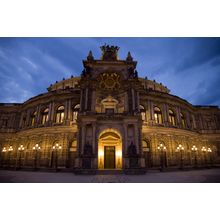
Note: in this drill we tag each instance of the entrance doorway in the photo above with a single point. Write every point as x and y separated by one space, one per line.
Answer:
110 150
109 157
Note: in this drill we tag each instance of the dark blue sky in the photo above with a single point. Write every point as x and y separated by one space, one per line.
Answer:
189 67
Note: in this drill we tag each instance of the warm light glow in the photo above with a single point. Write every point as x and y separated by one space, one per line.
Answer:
101 153
57 144
209 150
10 148
194 148
36 147
204 149
60 147
4 149
53 147
118 153
21 147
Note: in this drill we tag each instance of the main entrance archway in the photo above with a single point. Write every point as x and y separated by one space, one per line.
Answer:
110 149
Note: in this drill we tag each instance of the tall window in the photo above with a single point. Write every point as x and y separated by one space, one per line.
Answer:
33 118
60 114
4 122
24 121
143 112
183 122
158 115
45 116
75 112
172 119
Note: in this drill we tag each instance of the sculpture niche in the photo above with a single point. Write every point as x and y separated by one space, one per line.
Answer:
87 156
133 156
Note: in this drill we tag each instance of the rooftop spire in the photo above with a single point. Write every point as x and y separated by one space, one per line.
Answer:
90 56
129 57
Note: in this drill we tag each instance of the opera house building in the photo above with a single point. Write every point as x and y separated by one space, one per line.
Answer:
108 119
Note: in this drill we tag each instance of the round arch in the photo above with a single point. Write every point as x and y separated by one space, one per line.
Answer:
110 149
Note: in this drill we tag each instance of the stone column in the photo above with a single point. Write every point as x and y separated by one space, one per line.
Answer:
165 113
151 109
86 99
38 114
133 99
178 116
81 101
66 110
93 101
52 112
138 101
28 118
140 139
136 138
126 105
188 119
21 120
83 138
125 139
94 138
69 110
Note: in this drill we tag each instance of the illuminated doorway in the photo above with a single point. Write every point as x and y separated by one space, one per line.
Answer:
109 157
110 150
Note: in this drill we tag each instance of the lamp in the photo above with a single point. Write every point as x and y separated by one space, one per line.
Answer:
194 150
36 148
180 149
20 149
162 148
56 148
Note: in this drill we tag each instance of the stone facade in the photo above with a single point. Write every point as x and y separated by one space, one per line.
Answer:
69 126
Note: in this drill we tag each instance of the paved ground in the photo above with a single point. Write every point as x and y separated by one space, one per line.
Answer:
192 176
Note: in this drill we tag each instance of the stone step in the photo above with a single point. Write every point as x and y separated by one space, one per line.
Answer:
109 172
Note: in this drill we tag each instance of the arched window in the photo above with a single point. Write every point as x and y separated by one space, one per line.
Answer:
74 146
75 112
45 116
158 115
24 121
60 114
172 118
146 145
183 122
143 112
33 118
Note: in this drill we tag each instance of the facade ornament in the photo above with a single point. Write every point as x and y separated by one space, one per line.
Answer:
90 56
129 58
109 53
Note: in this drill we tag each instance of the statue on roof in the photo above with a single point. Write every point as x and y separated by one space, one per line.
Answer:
109 53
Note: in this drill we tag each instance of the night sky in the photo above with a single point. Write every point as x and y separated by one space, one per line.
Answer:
189 67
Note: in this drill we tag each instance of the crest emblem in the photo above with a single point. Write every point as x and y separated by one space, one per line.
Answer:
109 81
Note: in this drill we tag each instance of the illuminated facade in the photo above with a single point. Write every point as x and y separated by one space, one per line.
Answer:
108 118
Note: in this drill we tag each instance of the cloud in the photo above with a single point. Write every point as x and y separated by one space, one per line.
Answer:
188 66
